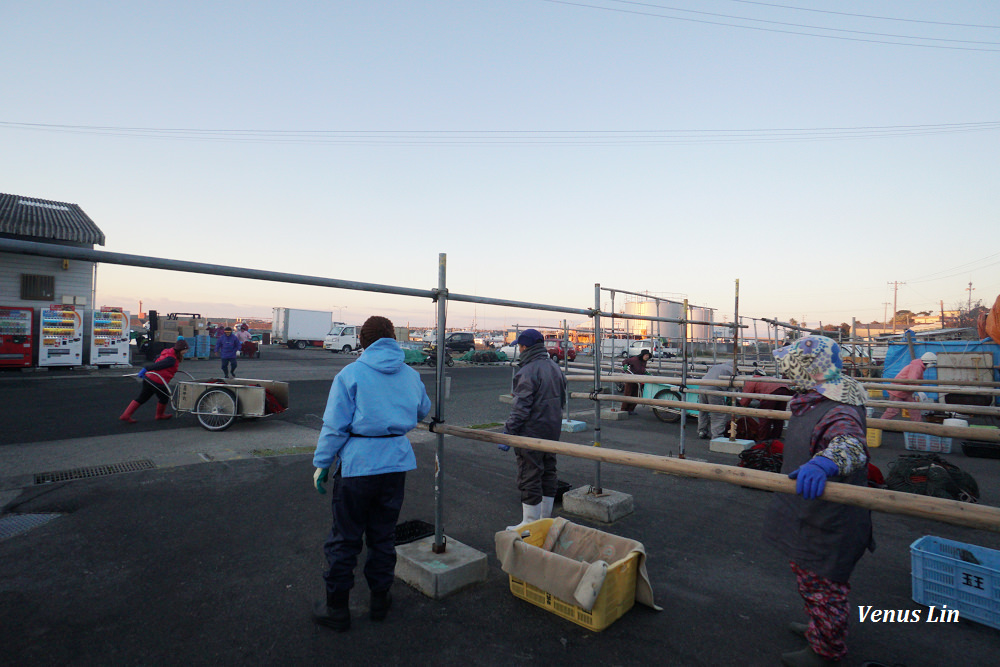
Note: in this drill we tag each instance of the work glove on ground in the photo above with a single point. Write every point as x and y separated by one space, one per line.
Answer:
319 479
810 478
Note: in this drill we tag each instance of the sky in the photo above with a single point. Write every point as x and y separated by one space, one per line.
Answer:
817 152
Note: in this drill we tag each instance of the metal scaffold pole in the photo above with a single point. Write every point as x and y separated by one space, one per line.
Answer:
442 313
597 381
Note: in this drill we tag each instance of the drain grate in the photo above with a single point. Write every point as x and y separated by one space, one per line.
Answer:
411 531
93 471
15 524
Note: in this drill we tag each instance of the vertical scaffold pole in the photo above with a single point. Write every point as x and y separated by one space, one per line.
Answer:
596 488
442 313
684 373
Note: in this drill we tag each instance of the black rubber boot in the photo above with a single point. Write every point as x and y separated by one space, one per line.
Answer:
797 628
335 614
381 601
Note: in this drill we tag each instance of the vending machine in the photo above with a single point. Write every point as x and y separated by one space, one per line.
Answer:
16 340
60 336
109 340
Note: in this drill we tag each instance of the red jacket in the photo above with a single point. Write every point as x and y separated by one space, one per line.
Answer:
165 366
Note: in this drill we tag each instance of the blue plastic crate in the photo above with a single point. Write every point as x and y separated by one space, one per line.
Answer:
942 574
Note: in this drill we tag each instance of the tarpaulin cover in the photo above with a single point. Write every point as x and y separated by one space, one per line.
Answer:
898 356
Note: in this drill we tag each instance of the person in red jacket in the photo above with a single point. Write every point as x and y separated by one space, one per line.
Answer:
161 373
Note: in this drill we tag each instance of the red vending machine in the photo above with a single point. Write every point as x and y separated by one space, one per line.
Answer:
16 342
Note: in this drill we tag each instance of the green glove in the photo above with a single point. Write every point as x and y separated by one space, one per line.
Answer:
319 479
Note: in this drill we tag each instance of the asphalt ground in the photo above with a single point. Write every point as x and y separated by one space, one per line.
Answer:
214 556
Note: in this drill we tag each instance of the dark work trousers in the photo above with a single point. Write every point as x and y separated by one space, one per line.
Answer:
364 507
536 475
149 389
232 366
631 389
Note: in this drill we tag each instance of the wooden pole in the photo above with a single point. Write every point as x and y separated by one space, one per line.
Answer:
741 380
963 432
893 502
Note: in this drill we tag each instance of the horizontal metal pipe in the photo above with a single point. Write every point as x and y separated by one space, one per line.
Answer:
892 502
964 432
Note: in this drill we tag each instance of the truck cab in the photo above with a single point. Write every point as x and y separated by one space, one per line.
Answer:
342 338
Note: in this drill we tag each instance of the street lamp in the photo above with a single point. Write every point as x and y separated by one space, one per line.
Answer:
340 314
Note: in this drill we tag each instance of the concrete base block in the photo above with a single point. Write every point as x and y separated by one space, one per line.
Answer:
573 426
506 398
726 446
607 507
440 575
614 415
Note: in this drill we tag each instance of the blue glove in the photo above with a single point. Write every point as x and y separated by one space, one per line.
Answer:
810 478
319 479
504 448
142 372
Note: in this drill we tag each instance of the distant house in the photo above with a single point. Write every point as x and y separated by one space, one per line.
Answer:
36 282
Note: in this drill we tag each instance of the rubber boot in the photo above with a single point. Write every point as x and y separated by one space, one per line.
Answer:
336 613
529 513
806 658
547 503
797 628
161 411
379 607
127 415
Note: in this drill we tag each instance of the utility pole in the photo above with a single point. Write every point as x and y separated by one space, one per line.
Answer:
969 289
895 291
885 320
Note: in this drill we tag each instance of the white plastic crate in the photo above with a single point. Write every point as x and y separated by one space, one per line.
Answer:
924 442
942 574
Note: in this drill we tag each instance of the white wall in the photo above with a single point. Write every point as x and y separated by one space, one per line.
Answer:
76 281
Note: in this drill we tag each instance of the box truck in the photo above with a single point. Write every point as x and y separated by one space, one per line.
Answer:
299 328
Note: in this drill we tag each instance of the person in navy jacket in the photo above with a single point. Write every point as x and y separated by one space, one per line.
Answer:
227 345
373 403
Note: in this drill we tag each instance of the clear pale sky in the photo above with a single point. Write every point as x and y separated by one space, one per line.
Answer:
673 147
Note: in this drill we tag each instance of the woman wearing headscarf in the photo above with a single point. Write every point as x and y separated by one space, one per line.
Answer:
825 439
163 371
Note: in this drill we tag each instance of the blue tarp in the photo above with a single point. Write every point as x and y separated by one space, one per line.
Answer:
898 356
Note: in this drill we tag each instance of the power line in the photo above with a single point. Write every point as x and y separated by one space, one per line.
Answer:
782 31
800 25
937 275
864 16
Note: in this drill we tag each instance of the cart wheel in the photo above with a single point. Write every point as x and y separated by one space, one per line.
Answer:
668 415
449 361
216 409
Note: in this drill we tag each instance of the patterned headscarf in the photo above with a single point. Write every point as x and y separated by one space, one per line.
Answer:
813 362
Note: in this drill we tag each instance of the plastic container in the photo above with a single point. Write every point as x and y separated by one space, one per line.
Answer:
955 422
965 577
924 442
617 594
874 437
875 393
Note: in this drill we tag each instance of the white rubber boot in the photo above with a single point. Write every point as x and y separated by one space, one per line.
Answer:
547 503
530 513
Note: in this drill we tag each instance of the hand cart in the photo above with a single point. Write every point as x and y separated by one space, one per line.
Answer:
218 403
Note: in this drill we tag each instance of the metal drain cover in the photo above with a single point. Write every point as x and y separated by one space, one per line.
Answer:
15 524
93 471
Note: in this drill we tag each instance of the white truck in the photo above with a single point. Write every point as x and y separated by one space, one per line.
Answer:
343 338
299 328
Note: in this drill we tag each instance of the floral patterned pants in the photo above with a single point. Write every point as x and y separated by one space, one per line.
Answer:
826 605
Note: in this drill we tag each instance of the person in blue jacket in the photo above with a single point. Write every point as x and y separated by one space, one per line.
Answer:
227 345
373 403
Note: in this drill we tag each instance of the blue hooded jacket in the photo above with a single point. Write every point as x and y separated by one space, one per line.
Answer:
376 395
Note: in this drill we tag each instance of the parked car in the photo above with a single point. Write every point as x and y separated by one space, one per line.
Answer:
460 341
511 350
557 351
655 348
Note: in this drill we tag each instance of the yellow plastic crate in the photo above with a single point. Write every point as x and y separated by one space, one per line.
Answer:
874 437
617 594
874 393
